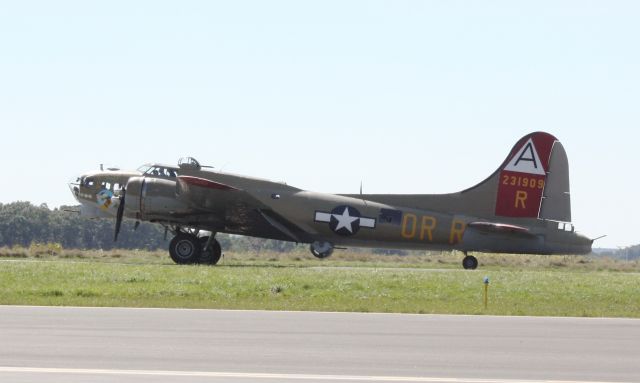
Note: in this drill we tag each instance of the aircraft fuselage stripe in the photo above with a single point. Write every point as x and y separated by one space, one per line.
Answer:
323 217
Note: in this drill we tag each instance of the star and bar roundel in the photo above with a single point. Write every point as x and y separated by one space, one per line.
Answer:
345 220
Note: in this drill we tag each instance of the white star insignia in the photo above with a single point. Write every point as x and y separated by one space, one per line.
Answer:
345 220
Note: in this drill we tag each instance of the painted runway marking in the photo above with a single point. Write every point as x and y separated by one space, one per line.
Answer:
269 376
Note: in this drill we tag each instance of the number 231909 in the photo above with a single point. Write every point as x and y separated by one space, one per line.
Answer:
527 182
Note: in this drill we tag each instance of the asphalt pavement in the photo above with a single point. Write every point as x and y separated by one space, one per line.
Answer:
54 344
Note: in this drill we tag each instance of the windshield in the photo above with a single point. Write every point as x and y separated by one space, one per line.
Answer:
144 168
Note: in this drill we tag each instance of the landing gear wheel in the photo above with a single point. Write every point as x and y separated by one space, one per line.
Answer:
321 249
470 262
212 255
185 249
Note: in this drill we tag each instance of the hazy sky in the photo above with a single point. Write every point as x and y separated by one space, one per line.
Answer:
409 97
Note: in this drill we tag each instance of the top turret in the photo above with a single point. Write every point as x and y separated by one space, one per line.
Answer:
189 163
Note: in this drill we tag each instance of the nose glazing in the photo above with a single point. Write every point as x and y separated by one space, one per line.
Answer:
74 186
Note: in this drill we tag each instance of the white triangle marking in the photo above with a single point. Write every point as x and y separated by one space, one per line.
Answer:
526 160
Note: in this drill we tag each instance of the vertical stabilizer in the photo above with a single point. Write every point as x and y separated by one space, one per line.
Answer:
531 183
556 203
524 177
534 183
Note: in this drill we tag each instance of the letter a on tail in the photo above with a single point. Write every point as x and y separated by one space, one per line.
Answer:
523 177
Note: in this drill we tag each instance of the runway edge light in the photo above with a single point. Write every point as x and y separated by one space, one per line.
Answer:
486 291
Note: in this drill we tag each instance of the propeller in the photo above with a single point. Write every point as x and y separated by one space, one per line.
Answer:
119 215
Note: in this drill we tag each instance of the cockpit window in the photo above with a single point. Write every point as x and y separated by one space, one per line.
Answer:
160 171
565 226
144 168
89 182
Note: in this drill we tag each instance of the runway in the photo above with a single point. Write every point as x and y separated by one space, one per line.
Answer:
50 344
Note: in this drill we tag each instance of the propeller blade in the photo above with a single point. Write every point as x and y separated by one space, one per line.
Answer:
119 216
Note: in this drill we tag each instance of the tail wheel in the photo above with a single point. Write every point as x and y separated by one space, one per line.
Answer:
185 249
470 262
321 249
212 255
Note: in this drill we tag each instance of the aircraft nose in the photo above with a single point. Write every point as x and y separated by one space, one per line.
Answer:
74 186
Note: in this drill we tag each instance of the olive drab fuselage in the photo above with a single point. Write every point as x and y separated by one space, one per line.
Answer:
523 207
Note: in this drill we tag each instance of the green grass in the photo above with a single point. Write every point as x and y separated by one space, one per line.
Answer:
294 285
351 258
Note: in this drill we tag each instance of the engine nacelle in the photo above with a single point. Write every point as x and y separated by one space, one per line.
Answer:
148 198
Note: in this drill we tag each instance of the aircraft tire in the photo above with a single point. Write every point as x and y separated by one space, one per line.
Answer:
470 262
211 256
321 249
185 249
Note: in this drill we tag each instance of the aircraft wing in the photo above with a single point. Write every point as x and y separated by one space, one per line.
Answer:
235 209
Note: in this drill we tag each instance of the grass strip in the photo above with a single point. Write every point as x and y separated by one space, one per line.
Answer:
247 286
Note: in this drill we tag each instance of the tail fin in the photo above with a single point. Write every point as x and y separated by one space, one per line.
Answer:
532 183
534 180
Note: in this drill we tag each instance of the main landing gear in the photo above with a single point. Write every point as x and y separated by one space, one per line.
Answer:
469 262
187 248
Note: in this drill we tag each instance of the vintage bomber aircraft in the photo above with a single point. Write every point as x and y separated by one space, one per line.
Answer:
523 207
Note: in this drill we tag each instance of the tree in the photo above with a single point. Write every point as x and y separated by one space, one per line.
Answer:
22 223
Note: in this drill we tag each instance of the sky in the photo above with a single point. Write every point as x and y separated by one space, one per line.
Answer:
403 96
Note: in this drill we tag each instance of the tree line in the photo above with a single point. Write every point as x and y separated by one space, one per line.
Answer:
22 223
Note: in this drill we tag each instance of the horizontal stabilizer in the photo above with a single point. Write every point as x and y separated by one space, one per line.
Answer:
501 238
499 228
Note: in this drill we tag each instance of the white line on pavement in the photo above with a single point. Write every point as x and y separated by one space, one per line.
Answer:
267 376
